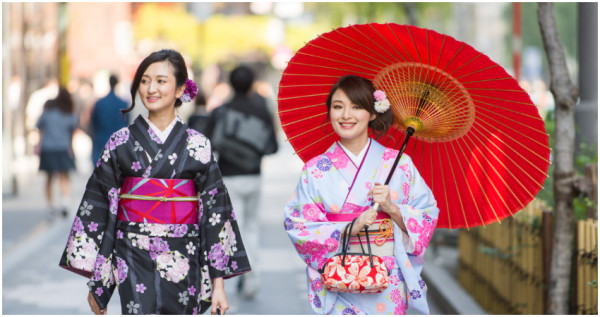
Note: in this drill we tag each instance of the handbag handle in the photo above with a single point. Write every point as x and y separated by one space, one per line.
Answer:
346 242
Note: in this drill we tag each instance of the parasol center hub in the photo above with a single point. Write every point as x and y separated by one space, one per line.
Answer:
414 122
428 99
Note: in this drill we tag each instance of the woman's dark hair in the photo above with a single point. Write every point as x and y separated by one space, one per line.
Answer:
172 57
360 92
62 102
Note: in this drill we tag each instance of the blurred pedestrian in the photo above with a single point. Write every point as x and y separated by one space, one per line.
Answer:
56 125
341 185
199 119
242 133
155 218
106 118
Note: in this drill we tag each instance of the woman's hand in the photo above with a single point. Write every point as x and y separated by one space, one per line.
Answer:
381 196
366 218
94 305
219 299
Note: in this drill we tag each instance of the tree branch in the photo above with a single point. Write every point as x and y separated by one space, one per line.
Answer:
563 89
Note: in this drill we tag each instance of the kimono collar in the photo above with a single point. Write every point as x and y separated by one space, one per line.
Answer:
162 135
356 159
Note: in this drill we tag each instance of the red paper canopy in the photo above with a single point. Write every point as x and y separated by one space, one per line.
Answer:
480 143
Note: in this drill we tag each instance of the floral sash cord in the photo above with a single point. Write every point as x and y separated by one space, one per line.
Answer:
329 183
185 257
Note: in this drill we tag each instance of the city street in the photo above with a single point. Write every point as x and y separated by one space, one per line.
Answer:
34 284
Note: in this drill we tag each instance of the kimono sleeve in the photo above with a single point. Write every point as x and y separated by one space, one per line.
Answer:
221 242
315 239
90 245
419 210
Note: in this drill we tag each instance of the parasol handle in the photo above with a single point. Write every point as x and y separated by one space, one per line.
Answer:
376 206
409 132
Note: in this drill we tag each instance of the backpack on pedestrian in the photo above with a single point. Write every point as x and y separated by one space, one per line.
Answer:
241 138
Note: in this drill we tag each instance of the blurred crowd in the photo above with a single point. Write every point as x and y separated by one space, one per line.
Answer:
80 121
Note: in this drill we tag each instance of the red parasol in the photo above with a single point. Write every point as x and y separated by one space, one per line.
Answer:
479 141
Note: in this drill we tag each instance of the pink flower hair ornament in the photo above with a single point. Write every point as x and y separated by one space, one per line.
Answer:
382 104
191 90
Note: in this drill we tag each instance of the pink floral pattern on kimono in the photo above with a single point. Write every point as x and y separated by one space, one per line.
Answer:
425 232
340 188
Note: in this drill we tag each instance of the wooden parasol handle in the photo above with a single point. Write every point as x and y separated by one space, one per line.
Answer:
409 132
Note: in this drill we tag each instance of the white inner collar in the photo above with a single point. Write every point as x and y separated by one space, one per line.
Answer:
162 135
357 159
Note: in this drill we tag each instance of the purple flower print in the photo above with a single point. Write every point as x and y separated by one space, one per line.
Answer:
147 172
234 265
335 235
153 136
77 226
288 224
157 246
179 231
140 288
217 257
317 301
192 290
348 311
99 291
136 166
93 226
195 312
422 284
213 192
117 139
119 234
113 198
324 165
400 276
415 294
317 285
122 269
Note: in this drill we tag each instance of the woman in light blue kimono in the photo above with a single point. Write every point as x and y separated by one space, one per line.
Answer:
342 184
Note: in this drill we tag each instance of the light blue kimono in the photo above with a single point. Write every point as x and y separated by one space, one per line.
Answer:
332 183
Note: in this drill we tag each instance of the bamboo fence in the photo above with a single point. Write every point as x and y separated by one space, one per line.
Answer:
587 267
503 265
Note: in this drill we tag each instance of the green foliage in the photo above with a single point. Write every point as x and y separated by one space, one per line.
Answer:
566 23
585 155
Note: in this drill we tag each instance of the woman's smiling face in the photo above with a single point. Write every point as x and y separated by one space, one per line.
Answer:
349 121
158 87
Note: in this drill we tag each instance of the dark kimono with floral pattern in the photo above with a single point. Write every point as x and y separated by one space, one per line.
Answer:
159 268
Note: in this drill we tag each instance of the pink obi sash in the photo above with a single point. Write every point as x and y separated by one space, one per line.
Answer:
380 233
157 200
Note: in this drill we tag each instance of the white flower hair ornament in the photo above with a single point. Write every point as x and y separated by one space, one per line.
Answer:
382 104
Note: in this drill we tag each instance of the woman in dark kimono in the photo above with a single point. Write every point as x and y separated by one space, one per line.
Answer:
155 218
